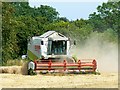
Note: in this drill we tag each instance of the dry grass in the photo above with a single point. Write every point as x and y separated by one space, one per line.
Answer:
11 69
17 62
18 67
24 70
105 80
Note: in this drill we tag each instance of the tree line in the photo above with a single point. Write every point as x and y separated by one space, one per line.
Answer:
20 22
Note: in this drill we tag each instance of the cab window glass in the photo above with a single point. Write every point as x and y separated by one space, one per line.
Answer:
42 43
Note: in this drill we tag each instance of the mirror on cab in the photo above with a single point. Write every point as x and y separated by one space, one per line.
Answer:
24 56
74 42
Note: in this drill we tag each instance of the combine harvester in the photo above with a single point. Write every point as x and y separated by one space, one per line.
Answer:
50 52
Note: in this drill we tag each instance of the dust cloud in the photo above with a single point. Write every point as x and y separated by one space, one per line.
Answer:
105 53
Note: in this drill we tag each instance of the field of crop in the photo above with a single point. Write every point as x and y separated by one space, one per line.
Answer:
17 80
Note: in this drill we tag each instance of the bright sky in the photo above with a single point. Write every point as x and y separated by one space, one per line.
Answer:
71 9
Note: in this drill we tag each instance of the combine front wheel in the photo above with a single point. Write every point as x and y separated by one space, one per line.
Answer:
31 68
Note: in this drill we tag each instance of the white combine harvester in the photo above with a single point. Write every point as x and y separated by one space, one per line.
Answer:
51 50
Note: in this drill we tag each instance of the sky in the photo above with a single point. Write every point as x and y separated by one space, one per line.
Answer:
72 9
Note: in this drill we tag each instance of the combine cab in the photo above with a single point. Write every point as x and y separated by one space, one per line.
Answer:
49 45
50 52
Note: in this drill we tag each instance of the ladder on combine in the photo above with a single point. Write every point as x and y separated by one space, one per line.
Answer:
80 66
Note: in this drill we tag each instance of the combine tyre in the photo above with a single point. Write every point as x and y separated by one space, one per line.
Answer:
31 68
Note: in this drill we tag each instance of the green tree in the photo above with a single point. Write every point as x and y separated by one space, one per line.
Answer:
46 11
62 19
9 42
31 22
107 17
